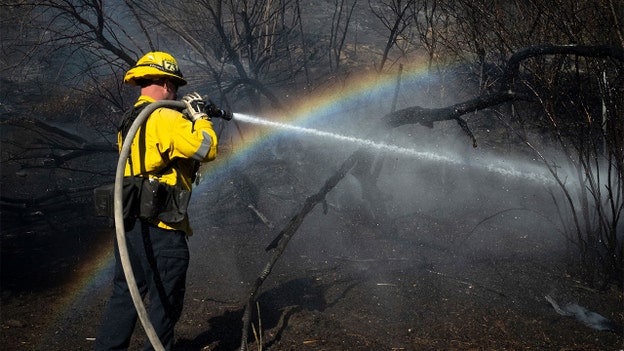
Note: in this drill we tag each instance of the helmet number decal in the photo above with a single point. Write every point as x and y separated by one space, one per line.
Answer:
170 66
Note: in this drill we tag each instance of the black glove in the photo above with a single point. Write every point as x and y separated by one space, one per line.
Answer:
194 106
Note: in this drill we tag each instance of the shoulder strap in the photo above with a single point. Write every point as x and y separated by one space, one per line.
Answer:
128 118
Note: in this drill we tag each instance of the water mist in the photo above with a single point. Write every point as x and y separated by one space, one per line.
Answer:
493 164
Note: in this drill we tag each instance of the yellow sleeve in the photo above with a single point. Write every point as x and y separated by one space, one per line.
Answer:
180 138
197 141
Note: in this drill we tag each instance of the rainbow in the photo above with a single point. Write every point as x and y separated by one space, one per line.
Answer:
95 274
323 108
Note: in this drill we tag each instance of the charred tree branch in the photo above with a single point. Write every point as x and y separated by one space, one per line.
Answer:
513 64
426 116
287 233
53 138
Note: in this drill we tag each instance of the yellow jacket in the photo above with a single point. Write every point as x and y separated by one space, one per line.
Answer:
168 137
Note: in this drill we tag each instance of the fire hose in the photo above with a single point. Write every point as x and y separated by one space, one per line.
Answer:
137 299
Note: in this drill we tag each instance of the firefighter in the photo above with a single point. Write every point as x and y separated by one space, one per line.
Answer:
166 151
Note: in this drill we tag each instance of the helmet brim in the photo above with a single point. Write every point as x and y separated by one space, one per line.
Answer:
142 73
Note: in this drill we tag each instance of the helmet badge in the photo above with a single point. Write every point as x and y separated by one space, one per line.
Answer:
170 66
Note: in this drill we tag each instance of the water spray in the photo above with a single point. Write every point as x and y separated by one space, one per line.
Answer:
493 167
361 142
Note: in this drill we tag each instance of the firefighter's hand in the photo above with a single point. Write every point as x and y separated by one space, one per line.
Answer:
194 107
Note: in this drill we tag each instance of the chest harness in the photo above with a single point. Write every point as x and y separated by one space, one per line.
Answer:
148 198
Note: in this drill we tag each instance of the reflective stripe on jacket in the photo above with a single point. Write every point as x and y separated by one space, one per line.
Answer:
167 148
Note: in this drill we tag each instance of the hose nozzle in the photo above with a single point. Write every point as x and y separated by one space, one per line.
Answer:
214 111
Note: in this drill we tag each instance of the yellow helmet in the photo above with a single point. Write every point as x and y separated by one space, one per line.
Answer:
153 66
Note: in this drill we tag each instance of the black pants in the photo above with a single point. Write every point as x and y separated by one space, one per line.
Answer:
159 261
